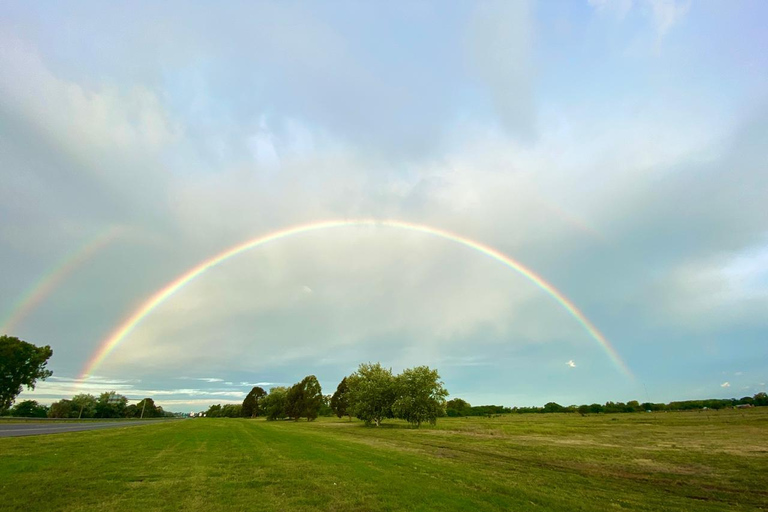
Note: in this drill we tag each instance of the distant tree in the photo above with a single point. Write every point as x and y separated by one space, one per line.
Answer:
421 396
251 403
372 392
111 405
21 364
213 411
147 409
340 400
294 402
62 409
583 410
457 407
312 399
84 405
325 407
760 399
232 411
273 404
553 407
29 409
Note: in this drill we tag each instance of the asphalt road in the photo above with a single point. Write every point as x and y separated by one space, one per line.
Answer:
34 429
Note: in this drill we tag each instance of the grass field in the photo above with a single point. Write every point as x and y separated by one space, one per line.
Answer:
711 460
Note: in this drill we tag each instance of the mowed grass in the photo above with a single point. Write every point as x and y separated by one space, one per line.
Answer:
712 460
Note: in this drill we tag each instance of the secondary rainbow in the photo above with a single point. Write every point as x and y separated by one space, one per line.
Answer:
49 281
130 323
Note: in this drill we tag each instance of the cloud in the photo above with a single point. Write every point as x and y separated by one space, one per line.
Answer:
725 385
571 364
668 13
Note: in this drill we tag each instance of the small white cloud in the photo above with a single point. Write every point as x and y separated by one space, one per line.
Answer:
571 364
209 379
725 385
306 289
667 13
739 373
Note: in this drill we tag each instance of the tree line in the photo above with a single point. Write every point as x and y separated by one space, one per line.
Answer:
372 394
107 405
458 407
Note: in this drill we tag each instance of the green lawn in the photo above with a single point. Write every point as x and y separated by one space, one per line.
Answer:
661 461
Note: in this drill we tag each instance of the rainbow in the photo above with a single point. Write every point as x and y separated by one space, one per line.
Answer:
50 280
129 324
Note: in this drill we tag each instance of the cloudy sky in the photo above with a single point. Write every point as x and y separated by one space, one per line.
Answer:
615 148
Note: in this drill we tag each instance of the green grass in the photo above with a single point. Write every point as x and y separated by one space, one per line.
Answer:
715 460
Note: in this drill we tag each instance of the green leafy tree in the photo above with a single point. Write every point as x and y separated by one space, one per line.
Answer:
294 402
147 409
232 411
21 364
29 409
274 403
421 396
85 405
553 407
458 407
760 399
111 405
213 411
251 404
340 400
312 397
325 407
62 409
372 392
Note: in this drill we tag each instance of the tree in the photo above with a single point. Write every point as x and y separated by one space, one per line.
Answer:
371 393
553 407
252 401
147 409
29 409
421 396
231 411
21 364
760 398
274 403
294 402
111 405
85 405
458 407
62 409
340 400
312 397
213 411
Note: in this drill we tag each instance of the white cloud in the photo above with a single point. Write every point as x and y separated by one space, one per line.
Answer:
725 385
571 364
668 13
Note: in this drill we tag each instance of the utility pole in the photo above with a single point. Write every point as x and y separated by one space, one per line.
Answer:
142 409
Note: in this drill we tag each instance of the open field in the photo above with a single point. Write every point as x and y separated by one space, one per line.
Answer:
712 460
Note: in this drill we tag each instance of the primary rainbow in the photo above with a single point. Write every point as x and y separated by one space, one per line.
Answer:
50 280
114 339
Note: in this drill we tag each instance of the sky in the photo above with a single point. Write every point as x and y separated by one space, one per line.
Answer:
613 150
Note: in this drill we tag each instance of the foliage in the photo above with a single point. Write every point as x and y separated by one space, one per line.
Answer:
251 404
304 399
420 396
372 391
111 405
62 409
458 407
21 364
274 403
340 400
85 405
29 409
